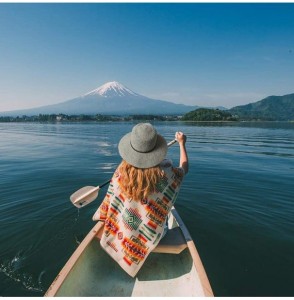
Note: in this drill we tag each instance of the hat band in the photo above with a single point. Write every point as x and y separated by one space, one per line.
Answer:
142 151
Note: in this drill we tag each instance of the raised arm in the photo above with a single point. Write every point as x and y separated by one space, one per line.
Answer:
184 161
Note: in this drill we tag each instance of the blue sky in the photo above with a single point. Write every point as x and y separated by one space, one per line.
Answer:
209 54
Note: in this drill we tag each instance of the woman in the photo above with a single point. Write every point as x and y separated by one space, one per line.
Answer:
142 192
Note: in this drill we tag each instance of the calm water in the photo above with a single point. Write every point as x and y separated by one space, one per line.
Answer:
237 200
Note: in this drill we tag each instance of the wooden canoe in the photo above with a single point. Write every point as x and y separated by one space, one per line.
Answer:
173 269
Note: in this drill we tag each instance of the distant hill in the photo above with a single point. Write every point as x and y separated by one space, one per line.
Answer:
111 98
206 114
272 108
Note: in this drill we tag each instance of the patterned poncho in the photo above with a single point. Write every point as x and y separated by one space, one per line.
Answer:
133 228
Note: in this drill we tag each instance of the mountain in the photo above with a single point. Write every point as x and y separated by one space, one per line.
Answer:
112 98
272 108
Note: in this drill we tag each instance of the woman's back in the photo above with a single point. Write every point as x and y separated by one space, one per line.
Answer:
140 196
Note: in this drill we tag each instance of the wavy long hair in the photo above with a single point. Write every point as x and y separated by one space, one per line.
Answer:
138 183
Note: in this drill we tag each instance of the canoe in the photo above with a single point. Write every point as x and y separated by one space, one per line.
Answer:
173 269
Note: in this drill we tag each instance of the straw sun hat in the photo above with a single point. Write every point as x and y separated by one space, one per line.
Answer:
143 147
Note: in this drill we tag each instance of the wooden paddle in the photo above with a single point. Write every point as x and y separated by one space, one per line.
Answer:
87 194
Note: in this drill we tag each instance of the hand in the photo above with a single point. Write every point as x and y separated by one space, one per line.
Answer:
184 162
180 137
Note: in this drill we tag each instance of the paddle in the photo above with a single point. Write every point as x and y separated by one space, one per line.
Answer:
87 194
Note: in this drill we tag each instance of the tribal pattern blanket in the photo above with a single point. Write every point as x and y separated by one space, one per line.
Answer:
134 228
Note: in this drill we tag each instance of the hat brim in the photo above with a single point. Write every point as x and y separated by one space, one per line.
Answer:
139 159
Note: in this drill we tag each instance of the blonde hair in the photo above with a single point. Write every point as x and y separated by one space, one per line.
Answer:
138 183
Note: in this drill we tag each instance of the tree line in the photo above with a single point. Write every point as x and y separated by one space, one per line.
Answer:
207 114
85 118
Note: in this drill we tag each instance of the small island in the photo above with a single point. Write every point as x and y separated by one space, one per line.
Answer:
208 115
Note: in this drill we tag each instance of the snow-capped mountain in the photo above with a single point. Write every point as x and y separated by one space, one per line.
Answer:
112 98
112 89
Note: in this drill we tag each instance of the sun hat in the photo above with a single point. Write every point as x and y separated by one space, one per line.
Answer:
143 147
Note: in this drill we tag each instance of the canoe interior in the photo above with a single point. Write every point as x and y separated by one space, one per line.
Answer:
170 271
96 274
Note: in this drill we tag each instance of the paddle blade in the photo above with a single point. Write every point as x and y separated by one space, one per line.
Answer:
84 196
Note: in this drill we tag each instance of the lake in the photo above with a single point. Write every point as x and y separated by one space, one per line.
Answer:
237 200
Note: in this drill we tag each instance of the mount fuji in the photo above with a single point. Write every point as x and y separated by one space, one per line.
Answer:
112 98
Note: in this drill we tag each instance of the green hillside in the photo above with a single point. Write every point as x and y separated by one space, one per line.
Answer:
206 114
272 108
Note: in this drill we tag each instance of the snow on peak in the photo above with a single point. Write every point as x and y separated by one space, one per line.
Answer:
112 89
